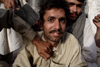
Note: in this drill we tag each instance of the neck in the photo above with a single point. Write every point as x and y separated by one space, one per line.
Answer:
70 22
53 43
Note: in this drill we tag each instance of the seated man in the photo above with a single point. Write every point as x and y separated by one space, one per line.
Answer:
66 49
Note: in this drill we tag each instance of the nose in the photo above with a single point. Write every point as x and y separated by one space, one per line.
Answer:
57 25
73 8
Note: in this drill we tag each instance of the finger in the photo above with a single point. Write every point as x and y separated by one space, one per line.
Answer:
47 56
46 49
49 47
12 4
95 20
43 56
49 52
96 17
6 5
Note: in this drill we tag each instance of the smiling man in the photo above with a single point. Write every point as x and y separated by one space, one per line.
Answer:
54 25
66 49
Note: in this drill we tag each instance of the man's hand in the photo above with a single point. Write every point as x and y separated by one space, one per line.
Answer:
9 4
44 49
96 21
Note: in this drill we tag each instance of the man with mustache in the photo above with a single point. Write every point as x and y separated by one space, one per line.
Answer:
66 49
80 27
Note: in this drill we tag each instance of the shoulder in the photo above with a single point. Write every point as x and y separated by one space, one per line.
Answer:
70 39
40 33
68 36
87 22
27 45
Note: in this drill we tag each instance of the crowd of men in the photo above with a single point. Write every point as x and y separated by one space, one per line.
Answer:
52 33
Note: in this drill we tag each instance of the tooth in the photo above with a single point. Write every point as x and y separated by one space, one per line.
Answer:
55 33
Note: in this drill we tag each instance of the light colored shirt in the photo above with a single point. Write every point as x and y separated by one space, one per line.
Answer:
89 50
9 39
93 10
66 54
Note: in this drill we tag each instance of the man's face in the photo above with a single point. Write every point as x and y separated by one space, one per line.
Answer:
75 8
54 24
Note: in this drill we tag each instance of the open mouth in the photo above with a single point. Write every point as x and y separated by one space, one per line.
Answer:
73 15
56 34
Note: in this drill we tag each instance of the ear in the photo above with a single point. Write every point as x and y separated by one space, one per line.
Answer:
40 24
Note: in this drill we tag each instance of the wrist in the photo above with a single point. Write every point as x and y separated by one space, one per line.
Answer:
98 29
36 40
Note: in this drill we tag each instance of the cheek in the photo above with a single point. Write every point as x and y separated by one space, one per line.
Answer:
79 10
63 27
46 27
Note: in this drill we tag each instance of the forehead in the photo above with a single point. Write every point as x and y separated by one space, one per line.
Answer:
54 12
74 1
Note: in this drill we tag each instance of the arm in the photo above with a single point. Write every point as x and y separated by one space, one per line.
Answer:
8 3
89 46
96 21
44 49
4 15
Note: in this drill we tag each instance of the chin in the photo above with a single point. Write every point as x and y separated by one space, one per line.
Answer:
55 39
71 18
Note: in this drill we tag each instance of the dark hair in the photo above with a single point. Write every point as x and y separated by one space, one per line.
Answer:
49 4
81 1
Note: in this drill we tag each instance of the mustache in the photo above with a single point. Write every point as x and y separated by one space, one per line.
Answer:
56 31
74 13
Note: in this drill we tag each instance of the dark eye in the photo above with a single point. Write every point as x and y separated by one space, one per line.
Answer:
50 20
80 5
62 20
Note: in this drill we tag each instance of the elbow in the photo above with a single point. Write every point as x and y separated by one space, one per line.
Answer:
89 56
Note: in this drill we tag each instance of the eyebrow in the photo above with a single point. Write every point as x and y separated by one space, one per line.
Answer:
51 17
63 18
73 3
55 17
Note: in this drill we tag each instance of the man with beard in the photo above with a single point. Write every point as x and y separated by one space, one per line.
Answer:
66 49
80 27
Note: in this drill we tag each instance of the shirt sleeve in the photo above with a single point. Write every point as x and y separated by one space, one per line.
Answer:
89 45
9 19
23 28
24 57
5 18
